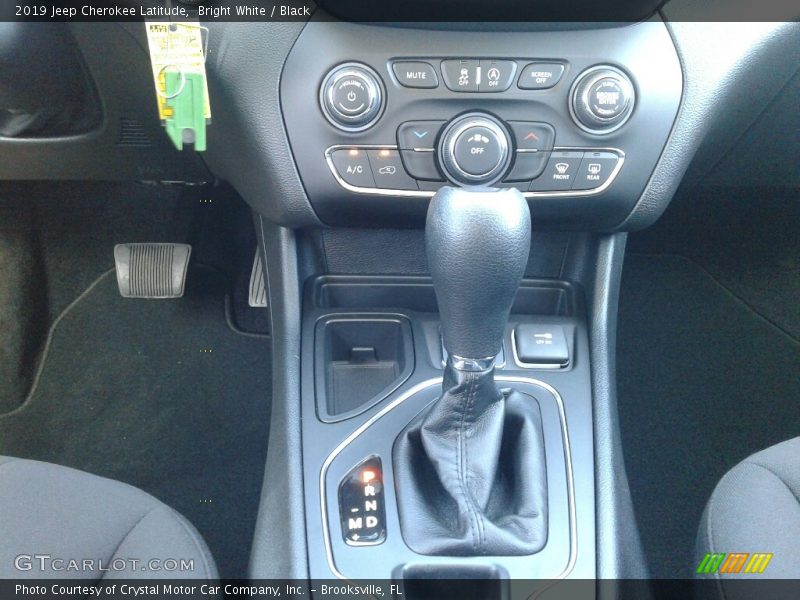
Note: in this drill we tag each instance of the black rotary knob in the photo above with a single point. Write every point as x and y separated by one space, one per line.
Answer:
474 150
351 97
602 99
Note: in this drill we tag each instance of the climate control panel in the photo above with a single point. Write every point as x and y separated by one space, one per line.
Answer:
473 149
386 116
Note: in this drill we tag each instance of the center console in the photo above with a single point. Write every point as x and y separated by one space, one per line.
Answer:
545 355
448 416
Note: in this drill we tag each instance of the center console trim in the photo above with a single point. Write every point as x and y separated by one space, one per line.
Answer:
573 539
429 193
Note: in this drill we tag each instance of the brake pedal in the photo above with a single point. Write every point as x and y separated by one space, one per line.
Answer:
257 298
151 270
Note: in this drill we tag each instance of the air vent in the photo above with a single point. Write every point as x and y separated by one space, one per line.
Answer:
132 133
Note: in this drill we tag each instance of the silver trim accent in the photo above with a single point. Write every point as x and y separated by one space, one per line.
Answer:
497 365
524 365
429 194
586 79
447 149
459 363
573 534
340 118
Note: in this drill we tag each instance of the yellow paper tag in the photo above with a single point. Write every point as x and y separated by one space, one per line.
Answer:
179 46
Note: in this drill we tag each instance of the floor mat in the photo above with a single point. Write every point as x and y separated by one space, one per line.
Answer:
162 395
703 383
747 239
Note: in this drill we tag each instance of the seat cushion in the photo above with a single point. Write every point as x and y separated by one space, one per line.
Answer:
755 508
59 522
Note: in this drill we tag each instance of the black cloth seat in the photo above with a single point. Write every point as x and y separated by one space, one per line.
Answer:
755 508
91 528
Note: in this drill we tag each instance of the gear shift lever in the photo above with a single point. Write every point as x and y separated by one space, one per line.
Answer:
470 473
477 244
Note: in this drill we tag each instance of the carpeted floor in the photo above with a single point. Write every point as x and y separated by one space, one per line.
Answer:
163 395
703 382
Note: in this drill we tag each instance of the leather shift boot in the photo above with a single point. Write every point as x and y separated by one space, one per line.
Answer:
470 474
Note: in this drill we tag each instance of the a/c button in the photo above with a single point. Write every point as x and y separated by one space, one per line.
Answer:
352 165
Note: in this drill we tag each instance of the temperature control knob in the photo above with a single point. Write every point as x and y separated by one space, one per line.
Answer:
352 97
602 99
474 150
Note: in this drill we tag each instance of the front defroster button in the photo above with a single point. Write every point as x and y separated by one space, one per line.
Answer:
559 173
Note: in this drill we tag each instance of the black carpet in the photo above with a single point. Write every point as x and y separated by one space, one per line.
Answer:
162 395
746 238
703 383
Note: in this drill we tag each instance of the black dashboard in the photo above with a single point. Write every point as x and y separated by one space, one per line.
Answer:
687 93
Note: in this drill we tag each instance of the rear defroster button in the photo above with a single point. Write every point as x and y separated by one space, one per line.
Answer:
595 169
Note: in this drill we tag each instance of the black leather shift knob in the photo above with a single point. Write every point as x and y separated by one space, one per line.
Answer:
477 243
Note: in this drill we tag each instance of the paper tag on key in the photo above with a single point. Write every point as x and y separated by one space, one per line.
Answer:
177 49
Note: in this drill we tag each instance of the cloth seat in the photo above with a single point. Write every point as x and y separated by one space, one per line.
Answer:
755 508
58 522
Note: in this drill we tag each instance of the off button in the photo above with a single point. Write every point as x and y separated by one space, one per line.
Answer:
478 151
